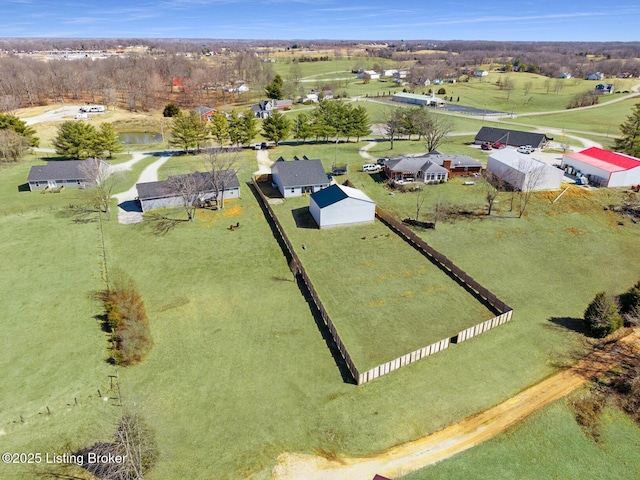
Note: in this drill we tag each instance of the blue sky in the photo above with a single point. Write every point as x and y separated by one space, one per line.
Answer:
502 20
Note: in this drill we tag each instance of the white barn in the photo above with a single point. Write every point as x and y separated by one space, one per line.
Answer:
341 205
524 172
605 168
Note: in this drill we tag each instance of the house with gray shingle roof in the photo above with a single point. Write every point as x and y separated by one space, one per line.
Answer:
162 194
431 167
514 138
293 178
63 173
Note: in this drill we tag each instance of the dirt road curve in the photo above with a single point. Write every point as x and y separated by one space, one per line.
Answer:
456 438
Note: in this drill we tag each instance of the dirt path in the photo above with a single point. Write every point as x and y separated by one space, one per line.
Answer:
264 164
406 458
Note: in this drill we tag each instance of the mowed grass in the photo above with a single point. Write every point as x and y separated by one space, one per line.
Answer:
549 444
384 297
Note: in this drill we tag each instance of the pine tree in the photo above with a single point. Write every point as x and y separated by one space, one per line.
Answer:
219 126
108 140
274 89
629 141
276 127
601 316
76 140
11 122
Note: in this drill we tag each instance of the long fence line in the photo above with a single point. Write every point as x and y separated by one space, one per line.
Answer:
504 311
298 269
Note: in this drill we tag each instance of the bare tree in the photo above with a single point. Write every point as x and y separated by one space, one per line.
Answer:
222 171
438 129
533 174
393 124
492 186
102 184
189 188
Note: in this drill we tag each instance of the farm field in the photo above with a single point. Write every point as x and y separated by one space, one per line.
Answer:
240 372
383 296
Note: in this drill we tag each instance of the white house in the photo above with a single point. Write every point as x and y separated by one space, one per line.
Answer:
293 178
522 171
416 99
605 168
389 73
373 75
341 205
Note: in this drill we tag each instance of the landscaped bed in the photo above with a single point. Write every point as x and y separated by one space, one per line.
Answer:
385 298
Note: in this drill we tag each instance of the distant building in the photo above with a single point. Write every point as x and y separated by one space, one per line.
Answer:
205 112
373 75
595 76
417 99
604 88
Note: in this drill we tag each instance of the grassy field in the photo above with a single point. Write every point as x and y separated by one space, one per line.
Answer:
384 297
239 371
549 444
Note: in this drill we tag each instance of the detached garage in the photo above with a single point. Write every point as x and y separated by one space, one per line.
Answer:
604 168
341 205
524 172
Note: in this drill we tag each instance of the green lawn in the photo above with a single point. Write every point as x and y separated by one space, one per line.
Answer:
239 371
384 297
549 444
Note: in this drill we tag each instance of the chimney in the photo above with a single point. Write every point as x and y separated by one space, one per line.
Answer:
447 164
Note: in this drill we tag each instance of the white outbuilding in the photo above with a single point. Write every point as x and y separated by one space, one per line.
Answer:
341 205
604 168
524 172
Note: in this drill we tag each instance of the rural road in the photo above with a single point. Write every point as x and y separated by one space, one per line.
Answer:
411 456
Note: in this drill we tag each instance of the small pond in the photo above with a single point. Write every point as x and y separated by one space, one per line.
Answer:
139 138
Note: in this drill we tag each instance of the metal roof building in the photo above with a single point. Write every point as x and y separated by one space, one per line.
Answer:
341 205
605 168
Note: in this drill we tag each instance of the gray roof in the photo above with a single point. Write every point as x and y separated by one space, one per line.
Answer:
202 110
299 173
58 170
432 162
163 189
514 138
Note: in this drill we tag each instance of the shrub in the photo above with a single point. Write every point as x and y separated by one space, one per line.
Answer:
601 316
126 319
171 110
630 300
442 91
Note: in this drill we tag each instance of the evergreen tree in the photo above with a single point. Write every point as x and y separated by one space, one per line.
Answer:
249 128
629 141
108 140
76 140
188 131
274 89
303 128
601 316
171 110
235 127
11 122
276 127
219 126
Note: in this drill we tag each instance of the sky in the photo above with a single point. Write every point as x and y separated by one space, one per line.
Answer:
498 20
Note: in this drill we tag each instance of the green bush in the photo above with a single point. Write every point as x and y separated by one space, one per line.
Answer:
630 300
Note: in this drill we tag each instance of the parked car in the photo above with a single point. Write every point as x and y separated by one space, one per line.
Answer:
525 149
486 146
371 167
498 145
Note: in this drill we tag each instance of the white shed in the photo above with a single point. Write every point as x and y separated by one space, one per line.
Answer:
524 172
601 167
341 205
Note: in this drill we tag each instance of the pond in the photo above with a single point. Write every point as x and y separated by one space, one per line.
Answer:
139 138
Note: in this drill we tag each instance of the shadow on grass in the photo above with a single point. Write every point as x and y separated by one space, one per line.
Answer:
161 225
79 213
24 187
303 218
304 290
130 206
569 323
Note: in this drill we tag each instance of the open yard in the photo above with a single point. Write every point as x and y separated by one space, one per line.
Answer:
240 372
384 297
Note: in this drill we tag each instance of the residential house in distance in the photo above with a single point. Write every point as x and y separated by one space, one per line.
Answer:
604 88
373 75
480 73
264 108
293 178
565 75
205 112
514 138
417 99
595 76
522 171
67 173
162 194
341 205
433 167
604 168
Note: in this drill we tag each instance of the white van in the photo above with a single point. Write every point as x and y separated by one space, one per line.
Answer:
370 167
